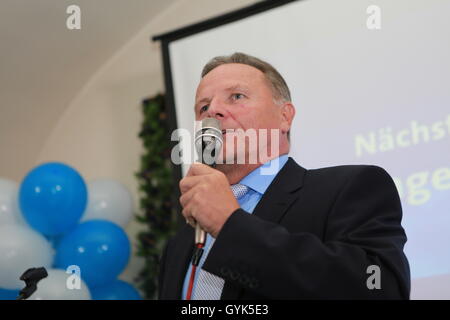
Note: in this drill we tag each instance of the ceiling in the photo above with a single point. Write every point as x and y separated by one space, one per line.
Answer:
43 65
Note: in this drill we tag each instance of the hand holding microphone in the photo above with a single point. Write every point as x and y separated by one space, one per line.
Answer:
206 195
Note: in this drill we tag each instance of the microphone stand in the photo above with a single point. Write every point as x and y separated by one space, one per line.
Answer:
31 277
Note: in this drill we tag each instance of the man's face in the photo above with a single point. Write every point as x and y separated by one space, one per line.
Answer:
240 97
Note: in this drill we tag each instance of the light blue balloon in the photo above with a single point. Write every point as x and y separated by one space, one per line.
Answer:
100 249
52 198
6 294
116 290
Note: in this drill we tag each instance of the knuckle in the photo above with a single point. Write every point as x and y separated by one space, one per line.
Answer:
217 174
221 174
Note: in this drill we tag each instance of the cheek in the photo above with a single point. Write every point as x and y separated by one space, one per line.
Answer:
274 117
266 119
255 116
239 114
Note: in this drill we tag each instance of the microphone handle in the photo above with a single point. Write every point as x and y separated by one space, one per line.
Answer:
200 235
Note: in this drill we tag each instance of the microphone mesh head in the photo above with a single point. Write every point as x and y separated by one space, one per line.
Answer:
211 123
208 140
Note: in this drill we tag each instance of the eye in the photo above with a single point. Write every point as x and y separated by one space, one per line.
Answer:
203 109
237 96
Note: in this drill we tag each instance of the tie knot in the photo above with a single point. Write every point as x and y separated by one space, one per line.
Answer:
239 190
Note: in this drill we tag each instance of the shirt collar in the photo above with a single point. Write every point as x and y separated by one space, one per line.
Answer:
260 178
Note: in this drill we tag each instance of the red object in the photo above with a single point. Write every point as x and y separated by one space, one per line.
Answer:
191 280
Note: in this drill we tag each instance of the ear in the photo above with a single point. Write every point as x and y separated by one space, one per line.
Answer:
287 115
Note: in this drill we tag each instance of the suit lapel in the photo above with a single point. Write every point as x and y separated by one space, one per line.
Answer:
281 192
273 206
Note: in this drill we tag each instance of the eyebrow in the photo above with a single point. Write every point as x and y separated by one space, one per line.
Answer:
236 87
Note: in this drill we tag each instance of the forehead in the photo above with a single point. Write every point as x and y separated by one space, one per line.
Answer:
231 74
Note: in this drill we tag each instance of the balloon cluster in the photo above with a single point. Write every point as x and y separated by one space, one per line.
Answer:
73 229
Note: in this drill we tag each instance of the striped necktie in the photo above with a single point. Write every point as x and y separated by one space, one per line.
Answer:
209 286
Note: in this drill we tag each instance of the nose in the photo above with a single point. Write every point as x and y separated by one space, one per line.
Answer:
216 110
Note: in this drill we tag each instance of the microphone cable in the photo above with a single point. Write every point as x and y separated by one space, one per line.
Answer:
195 261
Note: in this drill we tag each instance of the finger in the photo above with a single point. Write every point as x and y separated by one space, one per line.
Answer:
186 197
188 216
191 222
188 183
199 169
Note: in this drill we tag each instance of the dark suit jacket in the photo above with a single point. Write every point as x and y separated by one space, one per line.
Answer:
313 235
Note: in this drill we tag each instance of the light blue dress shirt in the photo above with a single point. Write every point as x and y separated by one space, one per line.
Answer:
258 181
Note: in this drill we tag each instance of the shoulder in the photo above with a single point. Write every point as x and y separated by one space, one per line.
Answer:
338 176
358 182
348 172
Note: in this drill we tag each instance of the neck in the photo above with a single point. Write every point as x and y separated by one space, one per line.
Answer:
236 172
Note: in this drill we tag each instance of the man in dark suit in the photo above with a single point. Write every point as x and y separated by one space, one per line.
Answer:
280 231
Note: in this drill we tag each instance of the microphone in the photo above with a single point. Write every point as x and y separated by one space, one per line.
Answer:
208 143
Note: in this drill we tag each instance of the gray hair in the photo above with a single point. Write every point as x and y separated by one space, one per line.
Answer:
279 87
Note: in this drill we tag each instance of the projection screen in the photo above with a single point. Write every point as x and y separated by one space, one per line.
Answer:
365 93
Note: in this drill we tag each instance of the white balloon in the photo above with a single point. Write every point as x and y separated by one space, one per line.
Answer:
55 287
21 248
108 200
9 207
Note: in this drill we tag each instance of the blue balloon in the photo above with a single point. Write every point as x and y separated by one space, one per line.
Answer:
6 294
116 290
100 249
52 198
